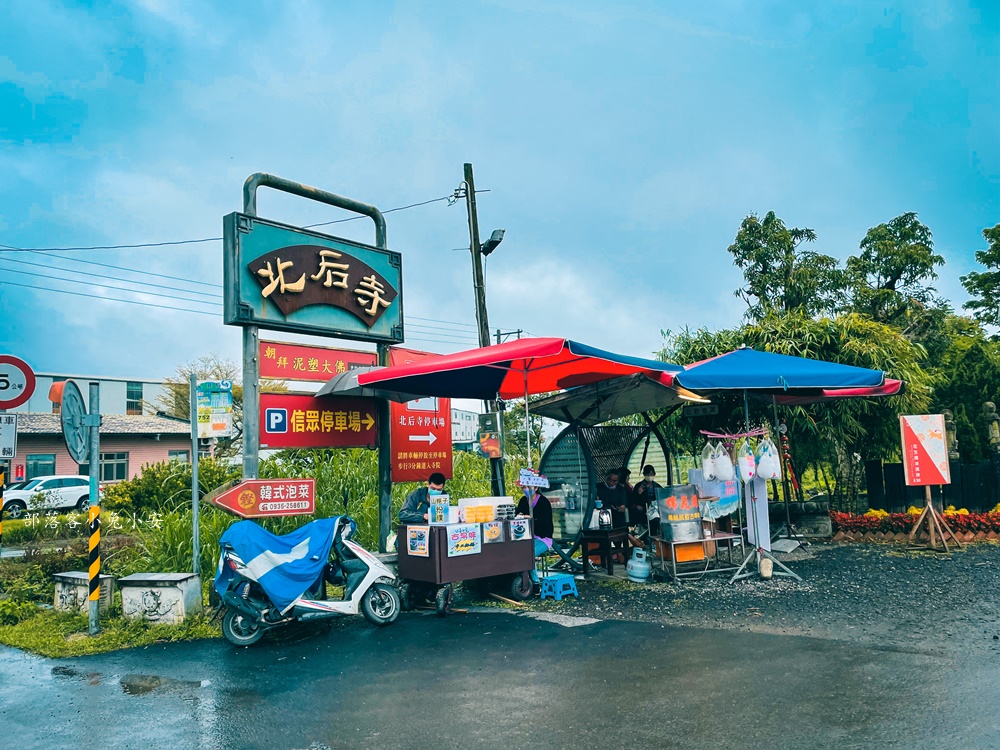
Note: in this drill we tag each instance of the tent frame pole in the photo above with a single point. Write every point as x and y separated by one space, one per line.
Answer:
757 553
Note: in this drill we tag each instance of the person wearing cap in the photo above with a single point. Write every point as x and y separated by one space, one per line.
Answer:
417 503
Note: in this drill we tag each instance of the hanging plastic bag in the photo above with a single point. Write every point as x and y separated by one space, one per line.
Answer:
724 471
768 465
708 462
746 461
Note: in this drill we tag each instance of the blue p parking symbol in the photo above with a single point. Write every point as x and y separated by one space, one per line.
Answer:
276 420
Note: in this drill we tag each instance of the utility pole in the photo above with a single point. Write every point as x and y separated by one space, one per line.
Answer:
479 287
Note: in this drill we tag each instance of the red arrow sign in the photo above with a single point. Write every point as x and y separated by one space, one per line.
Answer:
256 498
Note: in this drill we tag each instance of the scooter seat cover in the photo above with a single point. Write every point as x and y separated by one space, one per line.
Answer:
285 566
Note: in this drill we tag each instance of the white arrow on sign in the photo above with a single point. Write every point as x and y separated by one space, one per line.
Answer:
429 438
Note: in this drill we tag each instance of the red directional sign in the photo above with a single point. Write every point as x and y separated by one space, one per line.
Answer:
17 381
421 431
290 420
256 498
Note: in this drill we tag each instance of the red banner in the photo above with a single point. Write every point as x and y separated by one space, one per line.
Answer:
303 421
254 498
421 431
280 361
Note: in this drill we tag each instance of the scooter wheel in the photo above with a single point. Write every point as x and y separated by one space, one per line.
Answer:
240 630
443 600
521 587
381 604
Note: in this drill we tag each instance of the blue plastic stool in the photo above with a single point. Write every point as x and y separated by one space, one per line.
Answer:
558 585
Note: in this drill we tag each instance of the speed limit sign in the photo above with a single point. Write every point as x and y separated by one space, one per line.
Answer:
17 381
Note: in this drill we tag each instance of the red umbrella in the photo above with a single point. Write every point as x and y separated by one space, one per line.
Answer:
515 369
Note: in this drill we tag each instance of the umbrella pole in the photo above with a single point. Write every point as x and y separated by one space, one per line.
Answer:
527 419
757 553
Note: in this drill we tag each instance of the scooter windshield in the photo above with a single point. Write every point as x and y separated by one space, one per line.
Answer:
285 566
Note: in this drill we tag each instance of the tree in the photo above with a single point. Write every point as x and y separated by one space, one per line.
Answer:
984 286
779 275
888 281
515 433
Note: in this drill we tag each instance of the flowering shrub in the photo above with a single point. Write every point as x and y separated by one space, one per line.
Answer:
881 521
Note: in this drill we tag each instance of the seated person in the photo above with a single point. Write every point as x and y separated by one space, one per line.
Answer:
643 494
416 505
536 505
614 497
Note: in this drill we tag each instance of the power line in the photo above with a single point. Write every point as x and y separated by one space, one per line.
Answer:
435 320
112 278
109 299
129 270
120 289
387 211
429 338
11 248
109 247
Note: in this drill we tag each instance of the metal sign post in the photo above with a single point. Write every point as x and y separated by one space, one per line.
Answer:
195 562
288 278
93 424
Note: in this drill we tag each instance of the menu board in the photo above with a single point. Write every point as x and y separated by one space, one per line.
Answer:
492 532
464 539
416 540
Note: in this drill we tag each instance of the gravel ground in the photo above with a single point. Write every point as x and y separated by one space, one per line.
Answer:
880 595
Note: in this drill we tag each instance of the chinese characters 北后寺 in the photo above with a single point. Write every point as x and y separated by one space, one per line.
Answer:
278 282
331 269
370 291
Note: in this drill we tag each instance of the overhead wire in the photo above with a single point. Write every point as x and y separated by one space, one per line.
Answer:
121 289
128 270
109 299
12 248
112 278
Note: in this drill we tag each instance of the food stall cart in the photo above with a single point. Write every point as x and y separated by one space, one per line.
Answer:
434 556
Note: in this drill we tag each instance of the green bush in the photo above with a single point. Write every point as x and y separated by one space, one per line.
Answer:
12 611
166 486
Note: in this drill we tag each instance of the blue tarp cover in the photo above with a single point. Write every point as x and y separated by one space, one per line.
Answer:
753 370
285 566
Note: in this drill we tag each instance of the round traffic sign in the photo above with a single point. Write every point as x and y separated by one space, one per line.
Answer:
17 381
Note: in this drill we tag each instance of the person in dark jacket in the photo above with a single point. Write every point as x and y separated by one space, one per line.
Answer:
536 505
643 494
415 506
614 497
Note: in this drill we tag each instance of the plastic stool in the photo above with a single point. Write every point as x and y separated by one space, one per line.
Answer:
558 585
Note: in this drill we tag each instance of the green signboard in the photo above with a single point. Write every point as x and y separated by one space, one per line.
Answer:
285 278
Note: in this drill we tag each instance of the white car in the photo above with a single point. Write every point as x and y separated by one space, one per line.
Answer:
47 493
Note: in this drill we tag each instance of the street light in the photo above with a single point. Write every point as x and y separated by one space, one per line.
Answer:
491 244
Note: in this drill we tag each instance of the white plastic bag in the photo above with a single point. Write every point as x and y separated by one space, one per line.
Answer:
746 461
768 464
708 462
724 471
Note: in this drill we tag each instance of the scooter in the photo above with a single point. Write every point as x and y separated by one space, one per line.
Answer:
266 590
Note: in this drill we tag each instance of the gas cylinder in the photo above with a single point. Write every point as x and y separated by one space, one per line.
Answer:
638 567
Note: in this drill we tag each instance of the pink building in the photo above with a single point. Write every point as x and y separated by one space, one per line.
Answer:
128 442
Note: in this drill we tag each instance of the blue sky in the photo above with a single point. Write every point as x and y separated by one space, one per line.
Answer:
622 145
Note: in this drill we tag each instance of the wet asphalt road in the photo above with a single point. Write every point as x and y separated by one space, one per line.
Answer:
497 680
